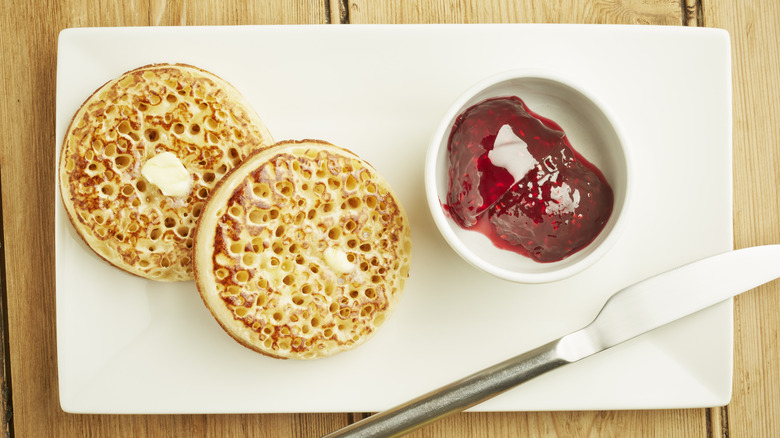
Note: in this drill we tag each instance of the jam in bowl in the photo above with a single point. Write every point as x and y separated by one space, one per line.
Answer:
527 177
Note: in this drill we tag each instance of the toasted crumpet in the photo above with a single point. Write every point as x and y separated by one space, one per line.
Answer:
124 217
302 251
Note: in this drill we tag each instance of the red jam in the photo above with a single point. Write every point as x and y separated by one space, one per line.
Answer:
548 212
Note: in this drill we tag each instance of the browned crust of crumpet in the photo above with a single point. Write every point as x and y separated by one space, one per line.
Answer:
302 251
177 108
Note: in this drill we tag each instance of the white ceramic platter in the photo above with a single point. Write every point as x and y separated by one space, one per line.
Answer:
128 345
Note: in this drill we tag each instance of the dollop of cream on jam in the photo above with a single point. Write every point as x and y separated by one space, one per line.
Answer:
515 177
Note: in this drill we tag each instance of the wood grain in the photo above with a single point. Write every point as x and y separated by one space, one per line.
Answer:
29 40
754 28
6 399
660 12
28 36
189 13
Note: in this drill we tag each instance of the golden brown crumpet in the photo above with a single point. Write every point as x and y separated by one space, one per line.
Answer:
114 196
302 251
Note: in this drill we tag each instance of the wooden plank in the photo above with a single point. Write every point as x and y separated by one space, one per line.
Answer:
661 12
6 387
754 28
236 12
671 423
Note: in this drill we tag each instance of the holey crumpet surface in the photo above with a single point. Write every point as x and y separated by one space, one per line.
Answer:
140 157
302 251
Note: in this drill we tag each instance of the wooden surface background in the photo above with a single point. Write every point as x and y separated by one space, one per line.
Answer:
28 44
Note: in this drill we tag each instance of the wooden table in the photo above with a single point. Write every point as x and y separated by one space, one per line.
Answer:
28 42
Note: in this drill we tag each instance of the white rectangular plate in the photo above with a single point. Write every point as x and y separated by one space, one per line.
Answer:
128 345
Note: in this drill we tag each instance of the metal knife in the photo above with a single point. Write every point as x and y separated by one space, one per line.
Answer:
630 312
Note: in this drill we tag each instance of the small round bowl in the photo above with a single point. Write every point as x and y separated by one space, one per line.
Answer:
591 130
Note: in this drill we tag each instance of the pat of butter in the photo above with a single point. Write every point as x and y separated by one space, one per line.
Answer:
511 152
166 172
337 260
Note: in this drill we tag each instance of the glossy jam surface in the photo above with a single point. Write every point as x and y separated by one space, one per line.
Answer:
549 212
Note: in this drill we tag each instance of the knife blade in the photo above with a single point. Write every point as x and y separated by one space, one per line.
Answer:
630 312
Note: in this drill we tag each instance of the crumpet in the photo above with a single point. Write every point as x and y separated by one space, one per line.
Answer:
141 156
302 251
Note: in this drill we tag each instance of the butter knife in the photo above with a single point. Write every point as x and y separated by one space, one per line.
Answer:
630 312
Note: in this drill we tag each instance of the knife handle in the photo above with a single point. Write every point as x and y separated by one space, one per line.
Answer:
459 395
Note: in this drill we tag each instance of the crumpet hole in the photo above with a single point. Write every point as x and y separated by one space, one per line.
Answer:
249 259
122 161
151 135
261 190
256 217
242 276
124 127
351 183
